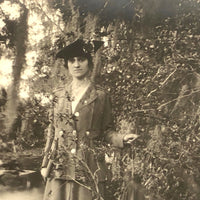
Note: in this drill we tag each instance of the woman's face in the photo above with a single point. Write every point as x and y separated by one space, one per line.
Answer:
78 67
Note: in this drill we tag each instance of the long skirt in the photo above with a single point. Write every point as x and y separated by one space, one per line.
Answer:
57 189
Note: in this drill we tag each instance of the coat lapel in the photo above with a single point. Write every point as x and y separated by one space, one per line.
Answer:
68 100
89 96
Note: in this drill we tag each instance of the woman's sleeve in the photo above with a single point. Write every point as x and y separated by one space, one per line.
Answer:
49 139
111 136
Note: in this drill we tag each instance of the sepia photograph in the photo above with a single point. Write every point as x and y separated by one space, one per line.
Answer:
99 99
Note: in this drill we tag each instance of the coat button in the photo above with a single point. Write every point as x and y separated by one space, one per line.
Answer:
73 151
76 114
74 132
81 144
87 133
85 102
61 133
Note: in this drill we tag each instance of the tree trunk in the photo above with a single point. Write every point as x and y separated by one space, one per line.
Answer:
13 99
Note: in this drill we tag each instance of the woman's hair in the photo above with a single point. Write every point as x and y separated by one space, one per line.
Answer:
88 57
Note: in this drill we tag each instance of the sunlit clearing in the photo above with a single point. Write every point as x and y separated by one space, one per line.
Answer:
2 24
12 10
5 65
31 57
36 29
40 25
5 81
5 72
23 94
28 73
24 90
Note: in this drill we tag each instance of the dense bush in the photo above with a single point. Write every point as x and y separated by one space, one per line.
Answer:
154 81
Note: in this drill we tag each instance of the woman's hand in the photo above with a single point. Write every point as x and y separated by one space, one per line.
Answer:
129 138
44 173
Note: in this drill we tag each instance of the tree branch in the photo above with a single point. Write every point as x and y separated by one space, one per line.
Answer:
163 83
50 18
41 9
187 95
168 77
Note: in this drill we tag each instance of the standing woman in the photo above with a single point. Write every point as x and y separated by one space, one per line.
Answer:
80 121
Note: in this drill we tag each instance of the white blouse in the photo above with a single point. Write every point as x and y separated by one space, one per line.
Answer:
78 96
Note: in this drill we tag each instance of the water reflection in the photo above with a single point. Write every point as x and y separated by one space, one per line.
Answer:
26 185
32 194
20 177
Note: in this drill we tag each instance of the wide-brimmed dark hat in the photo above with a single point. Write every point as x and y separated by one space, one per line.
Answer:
79 48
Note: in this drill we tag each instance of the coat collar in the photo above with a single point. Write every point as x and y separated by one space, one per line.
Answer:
89 96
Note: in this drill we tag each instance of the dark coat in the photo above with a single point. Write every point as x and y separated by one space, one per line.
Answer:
74 139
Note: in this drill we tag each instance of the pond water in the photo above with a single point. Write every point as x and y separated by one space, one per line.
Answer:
31 194
20 178
23 187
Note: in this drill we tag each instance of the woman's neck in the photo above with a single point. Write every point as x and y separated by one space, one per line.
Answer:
76 83
78 86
